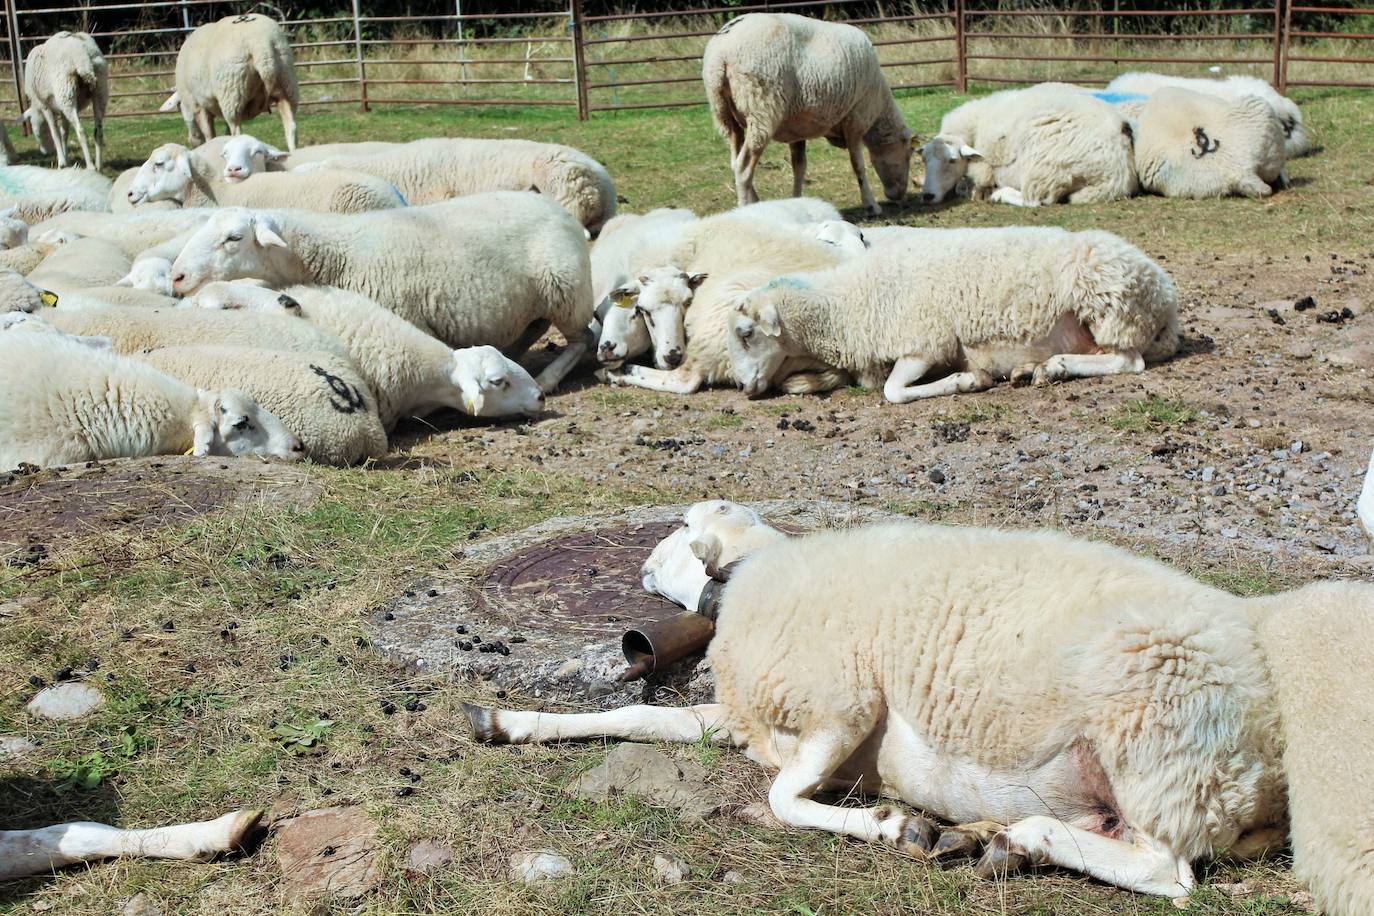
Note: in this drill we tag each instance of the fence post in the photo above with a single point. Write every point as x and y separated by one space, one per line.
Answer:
358 57
579 58
960 49
1283 30
16 57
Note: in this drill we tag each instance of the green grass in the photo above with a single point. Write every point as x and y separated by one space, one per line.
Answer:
1151 413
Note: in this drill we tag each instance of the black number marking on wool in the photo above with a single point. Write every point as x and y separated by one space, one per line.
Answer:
352 399
1204 144
246 17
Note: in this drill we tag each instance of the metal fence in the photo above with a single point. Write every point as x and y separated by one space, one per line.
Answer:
593 56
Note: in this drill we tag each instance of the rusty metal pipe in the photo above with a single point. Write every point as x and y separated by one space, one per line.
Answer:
658 644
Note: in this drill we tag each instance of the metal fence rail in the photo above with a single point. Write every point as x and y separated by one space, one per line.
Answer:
592 56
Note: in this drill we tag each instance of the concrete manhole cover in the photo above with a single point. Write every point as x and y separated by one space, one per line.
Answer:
543 610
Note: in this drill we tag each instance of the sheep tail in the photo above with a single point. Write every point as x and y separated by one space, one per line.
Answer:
723 111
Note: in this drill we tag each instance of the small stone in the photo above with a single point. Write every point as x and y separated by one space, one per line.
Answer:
1253 423
1239 889
1360 356
12 747
140 905
350 872
936 476
541 866
887 434
670 869
1209 474
70 700
732 877
1304 900
1230 533
427 857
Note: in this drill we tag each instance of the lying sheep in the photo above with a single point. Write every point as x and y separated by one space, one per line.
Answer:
62 76
320 397
714 535
235 69
134 233
429 171
854 241
37 193
799 211
1047 144
153 274
1037 304
411 373
81 263
17 294
26 257
1296 140
132 331
1034 698
183 176
621 332
63 403
1195 145
244 155
777 76
14 232
511 260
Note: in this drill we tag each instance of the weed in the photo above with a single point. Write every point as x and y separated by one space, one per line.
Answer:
1151 413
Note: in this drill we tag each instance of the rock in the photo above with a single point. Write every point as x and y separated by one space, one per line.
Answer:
71 700
936 476
887 434
1209 474
1239 889
732 877
330 852
12 747
1360 356
540 866
140 905
646 772
670 869
428 856
1300 350
1304 900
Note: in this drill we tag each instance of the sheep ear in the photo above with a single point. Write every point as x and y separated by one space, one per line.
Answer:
202 438
707 548
767 321
267 236
969 152
624 298
695 280
183 165
275 155
126 280
172 104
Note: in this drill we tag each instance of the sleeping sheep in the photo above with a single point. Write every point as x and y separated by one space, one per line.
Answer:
62 402
511 261
243 155
1028 147
132 331
62 76
134 233
714 535
621 332
173 172
1195 145
777 76
37 193
1024 303
235 69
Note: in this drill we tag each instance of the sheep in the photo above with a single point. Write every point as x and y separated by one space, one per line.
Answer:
37 193
61 76
511 260
26 257
731 257
153 274
81 263
854 241
1027 147
14 232
34 324
1296 142
24 853
244 155
1364 509
798 211
622 333
178 174
62 402
778 76
411 373
134 233
1025 303
235 69
1194 145
17 294
433 170
320 397
714 535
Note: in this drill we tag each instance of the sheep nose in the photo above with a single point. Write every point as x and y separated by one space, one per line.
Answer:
674 358
296 445
927 198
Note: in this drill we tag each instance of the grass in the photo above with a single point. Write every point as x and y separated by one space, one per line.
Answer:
268 604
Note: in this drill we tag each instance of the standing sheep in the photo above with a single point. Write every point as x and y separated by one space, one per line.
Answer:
776 76
62 76
509 261
982 304
1195 145
235 69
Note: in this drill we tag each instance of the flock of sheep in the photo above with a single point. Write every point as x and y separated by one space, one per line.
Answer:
230 298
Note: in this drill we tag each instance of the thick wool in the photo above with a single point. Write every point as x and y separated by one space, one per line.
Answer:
134 232
236 69
1195 145
319 396
134 330
80 264
38 194
63 75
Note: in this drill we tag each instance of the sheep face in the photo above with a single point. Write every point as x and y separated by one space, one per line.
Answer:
892 162
224 295
621 329
246 155
151 274
755 344
13 231
17 294
661 297
232 423
234 243
843 235
165 176
673 570
493 385
946 160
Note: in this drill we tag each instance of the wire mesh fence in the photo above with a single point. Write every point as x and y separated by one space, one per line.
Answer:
597 56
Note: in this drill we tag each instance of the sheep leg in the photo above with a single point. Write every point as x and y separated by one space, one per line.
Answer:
670 381
1011 196
206 122
288 123
564 363
99 102
1144 864
901 386
1063 366
526 340
798 149
817 756
36 852
634 723
59 139
74 119
745 162
964 841
856 162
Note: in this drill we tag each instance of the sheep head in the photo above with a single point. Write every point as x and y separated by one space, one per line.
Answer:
151 274
246 295
493 385
231 423
234 243
891 156
755 343
246 155
13 230
166 175
946 159
844 235
661 297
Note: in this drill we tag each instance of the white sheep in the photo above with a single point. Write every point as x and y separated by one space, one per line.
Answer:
79 264
14 232
433 170
34 324
244 155
153 274
62 402
26 257
777 76
714 535
61 76
39 852
411 373
17 294
510 261
1018 679
134 233
173 172
37 193
799 211
235 69
1025 303
621 333
1194 145
854 241
1296 140
1046 144
319 396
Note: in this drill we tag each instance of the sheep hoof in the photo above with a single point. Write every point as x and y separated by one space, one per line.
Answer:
1000 859
244 827
1022 376
964 841
484 727
917 837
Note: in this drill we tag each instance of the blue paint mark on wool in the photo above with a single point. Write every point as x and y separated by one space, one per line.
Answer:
11 183
1119 98
787 283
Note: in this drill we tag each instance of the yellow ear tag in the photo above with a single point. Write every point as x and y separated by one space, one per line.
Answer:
190 451
48 298
623 299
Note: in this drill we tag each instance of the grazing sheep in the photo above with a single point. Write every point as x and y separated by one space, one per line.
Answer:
40 852
511 260
411 373
1296 140
1035 696
62 402
235 69
429 171
178 174
244 155
1194 145
776 76
1047 144
1023 303
132 331
715 534
62 76
320 397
